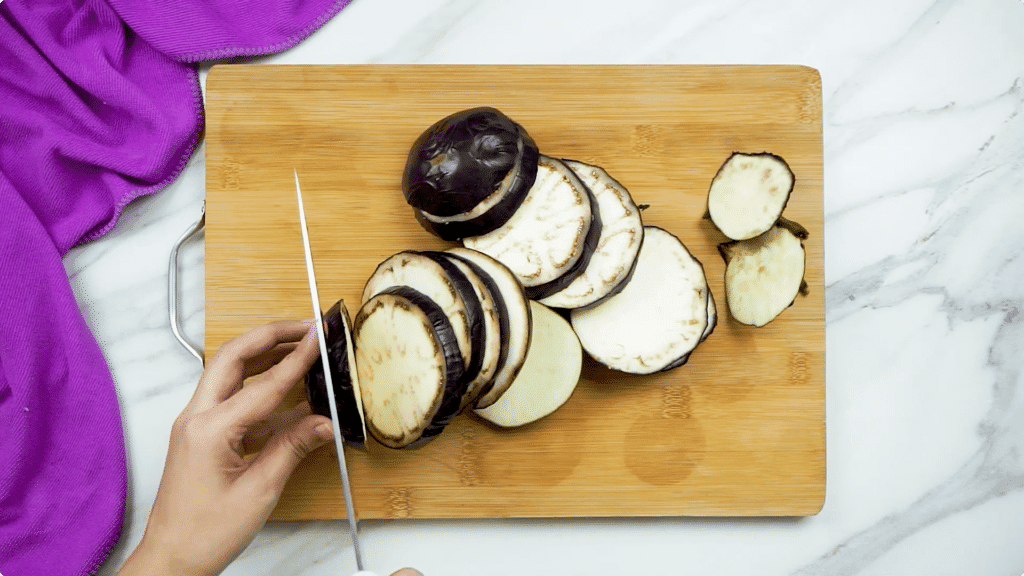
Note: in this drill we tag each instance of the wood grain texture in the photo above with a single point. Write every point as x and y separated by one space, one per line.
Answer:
738 430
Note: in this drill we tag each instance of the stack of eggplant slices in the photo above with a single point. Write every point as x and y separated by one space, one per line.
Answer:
474 327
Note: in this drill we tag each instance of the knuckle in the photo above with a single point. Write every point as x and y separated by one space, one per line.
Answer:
192 429
299 447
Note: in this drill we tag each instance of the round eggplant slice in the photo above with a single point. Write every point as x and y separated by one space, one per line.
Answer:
748 194
442 282
549 375
764 274
344 376
409 365
613 259
489 343
462 160
549 240
494 210
519 321
657 320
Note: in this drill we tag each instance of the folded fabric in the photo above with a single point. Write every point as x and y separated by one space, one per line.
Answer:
100 104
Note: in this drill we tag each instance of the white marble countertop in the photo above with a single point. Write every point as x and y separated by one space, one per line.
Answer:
924 192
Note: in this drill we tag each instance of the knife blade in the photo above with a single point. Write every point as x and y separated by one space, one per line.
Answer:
339 443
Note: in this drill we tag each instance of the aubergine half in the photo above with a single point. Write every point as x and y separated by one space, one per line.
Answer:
473 159
764 274
492 211
341 358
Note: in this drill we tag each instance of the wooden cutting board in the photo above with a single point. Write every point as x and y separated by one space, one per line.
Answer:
738 430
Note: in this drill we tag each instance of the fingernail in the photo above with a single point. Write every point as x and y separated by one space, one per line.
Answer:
324 431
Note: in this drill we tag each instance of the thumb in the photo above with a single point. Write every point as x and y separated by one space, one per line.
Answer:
288 446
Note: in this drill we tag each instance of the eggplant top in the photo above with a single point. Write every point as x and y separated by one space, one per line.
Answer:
461 160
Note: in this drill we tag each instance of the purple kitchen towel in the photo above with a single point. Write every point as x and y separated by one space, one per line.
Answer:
99 104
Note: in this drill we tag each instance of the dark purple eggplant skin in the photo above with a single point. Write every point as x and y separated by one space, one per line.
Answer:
500 213
500 310
461 160
344 393
474 313
455 380
589 245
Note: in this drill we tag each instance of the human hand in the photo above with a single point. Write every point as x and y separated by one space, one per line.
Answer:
212 499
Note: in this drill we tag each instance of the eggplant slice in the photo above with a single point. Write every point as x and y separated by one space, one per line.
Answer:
549 375
409 366
443 283
462 160
548 242
622 232
764 274
341 358
490 342
748 194
516 331
658 319
492 211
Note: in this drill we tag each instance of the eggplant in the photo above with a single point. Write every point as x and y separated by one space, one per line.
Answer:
444 284
410 366
494 210
490 342
549 240
614 257
341 360
660 316
517 329
462 160
763 275
712 317
548 377
749 193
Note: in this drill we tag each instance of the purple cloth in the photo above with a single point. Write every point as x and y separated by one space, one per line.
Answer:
99 104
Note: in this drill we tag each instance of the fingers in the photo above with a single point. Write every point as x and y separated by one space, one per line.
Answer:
407 572
285 449
244 356
264 394
261 432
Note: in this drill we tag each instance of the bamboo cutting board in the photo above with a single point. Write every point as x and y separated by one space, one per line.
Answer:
738 430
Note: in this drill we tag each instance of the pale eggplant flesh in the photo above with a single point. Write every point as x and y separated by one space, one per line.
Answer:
409 364
548 377
614 257
444 284
519 326
494 337
749 193
658 319
763 275
549 240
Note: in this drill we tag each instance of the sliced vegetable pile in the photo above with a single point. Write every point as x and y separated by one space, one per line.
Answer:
474 327
765 257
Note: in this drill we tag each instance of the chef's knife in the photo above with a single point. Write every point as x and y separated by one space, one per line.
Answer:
322 339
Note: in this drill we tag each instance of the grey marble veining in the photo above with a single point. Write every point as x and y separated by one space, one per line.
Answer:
924 192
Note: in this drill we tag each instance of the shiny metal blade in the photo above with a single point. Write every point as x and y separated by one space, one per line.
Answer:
338 442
